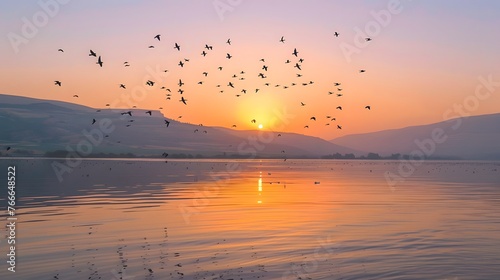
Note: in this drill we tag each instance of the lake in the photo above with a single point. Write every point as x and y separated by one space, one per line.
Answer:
254 219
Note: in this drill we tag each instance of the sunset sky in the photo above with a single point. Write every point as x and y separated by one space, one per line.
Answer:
423 60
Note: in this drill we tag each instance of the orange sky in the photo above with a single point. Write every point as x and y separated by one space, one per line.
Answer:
423 61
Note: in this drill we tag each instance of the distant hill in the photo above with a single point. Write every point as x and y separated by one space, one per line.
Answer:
44 125
476 137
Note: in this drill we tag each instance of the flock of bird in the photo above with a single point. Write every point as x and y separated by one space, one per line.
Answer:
231 85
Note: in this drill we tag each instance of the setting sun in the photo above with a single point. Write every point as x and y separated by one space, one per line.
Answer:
260 126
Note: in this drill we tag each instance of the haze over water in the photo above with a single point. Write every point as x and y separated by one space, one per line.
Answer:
269 219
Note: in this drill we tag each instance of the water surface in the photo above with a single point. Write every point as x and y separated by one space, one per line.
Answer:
269 219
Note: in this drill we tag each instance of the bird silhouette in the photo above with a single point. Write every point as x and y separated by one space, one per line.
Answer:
204 53
157 37
99 61
368 39
228 41
57 83
253 121
127 113
60 50
368 107
93 121
149 112
295 52
336 34
167 123
264 68
177 47
228 56
339 127
339 108
208 47
297 66
313 118
362 71
306 126
75 95
282 40
183 100
302 104
181 64
92 53
180 83
122 86
205 74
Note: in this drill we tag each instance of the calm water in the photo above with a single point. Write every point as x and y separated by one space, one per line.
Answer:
270 219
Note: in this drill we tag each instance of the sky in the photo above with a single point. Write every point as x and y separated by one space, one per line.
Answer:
424 59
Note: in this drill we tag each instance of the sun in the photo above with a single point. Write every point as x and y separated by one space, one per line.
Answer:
260 126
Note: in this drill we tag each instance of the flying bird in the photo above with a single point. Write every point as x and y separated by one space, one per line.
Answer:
368 107
208 47
313 118
157 37
180 83
75 95
181 64
167 123
264 68
183 100
127 113
203 53
57 83
339 127
336 34
92 53
93 121
339 108
282 40
149 112
177 47
99 61
60 50
368 39
228 56
228 41
122 86
295 52
253 121
302 104
362 71
297 66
